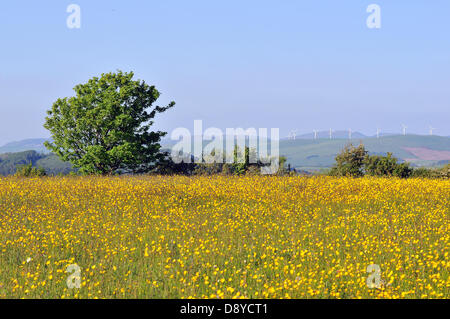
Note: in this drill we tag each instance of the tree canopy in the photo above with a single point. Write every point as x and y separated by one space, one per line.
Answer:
105 127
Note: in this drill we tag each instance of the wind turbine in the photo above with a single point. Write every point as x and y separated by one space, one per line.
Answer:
404 127
315 134
350 134
378 133
293 135
331 134
431 130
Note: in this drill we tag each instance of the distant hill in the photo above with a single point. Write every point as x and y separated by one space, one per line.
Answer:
416 149
50 162
36 144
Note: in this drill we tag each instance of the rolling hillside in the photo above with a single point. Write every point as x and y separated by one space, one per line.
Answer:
50 162
416 149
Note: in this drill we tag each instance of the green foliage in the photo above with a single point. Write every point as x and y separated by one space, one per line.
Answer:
235 168
252 168
423 172
402 170
53 165
356 162
104 128
445 172
10 161
241 168
350 162
208 169
378 165
167 166
208 166
282 163
30 171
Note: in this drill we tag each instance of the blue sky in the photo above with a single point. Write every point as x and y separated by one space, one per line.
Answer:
290 64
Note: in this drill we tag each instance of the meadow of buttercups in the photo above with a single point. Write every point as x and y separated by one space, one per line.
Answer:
224 237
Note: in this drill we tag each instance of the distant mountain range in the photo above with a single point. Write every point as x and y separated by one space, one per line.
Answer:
35 144
307 153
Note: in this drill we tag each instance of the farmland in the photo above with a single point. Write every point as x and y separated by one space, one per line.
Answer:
224 237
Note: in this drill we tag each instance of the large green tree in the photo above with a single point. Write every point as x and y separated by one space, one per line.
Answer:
105 127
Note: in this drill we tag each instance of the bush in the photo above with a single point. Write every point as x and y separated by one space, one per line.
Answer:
423 172
355 162
402 170
445 172
30 171
377 165
350 162
208 169
167 166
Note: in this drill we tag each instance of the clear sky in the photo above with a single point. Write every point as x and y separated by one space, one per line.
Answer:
303 65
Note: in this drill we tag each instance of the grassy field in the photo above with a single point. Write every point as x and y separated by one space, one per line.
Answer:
222 237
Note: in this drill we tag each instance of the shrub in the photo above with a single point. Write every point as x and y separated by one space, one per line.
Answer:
377 165
423 172
350 162
402 170
167 166
208 169
29 171
445 172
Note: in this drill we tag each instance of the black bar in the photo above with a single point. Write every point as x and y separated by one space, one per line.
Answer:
258 308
